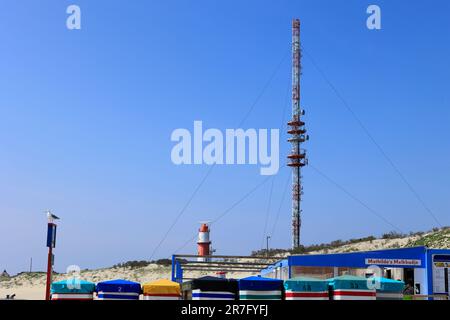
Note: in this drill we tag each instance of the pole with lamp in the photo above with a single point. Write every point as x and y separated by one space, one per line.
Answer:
51 241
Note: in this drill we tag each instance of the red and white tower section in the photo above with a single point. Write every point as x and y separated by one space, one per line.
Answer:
203 243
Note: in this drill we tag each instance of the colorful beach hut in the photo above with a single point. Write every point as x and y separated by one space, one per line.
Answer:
349 287
118 290
210 288
161 290
306 288
388 289
72 289
259 288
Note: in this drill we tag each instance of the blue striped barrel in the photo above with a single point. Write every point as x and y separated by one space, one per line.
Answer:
351 288
118 290
209 288
388 289
306 288
72 289
259 288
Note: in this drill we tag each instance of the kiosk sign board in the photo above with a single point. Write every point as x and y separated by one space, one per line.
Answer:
393 262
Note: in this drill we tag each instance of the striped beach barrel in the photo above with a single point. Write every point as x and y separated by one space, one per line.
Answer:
161 290
118 290
259 288
388 289
306 288
210 288
72 289
349 287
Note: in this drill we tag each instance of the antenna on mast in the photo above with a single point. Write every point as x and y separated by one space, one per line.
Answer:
297 158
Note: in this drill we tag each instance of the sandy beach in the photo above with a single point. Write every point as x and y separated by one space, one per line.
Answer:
31 286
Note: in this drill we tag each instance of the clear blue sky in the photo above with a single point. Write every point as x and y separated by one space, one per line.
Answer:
86 118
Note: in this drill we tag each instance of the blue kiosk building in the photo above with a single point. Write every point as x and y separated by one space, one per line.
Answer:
427 269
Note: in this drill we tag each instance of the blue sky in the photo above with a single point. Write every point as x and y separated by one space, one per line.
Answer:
86 118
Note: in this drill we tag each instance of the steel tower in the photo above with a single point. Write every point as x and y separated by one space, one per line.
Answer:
297 158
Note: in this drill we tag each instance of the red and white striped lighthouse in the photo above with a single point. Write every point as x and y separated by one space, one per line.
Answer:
203 243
